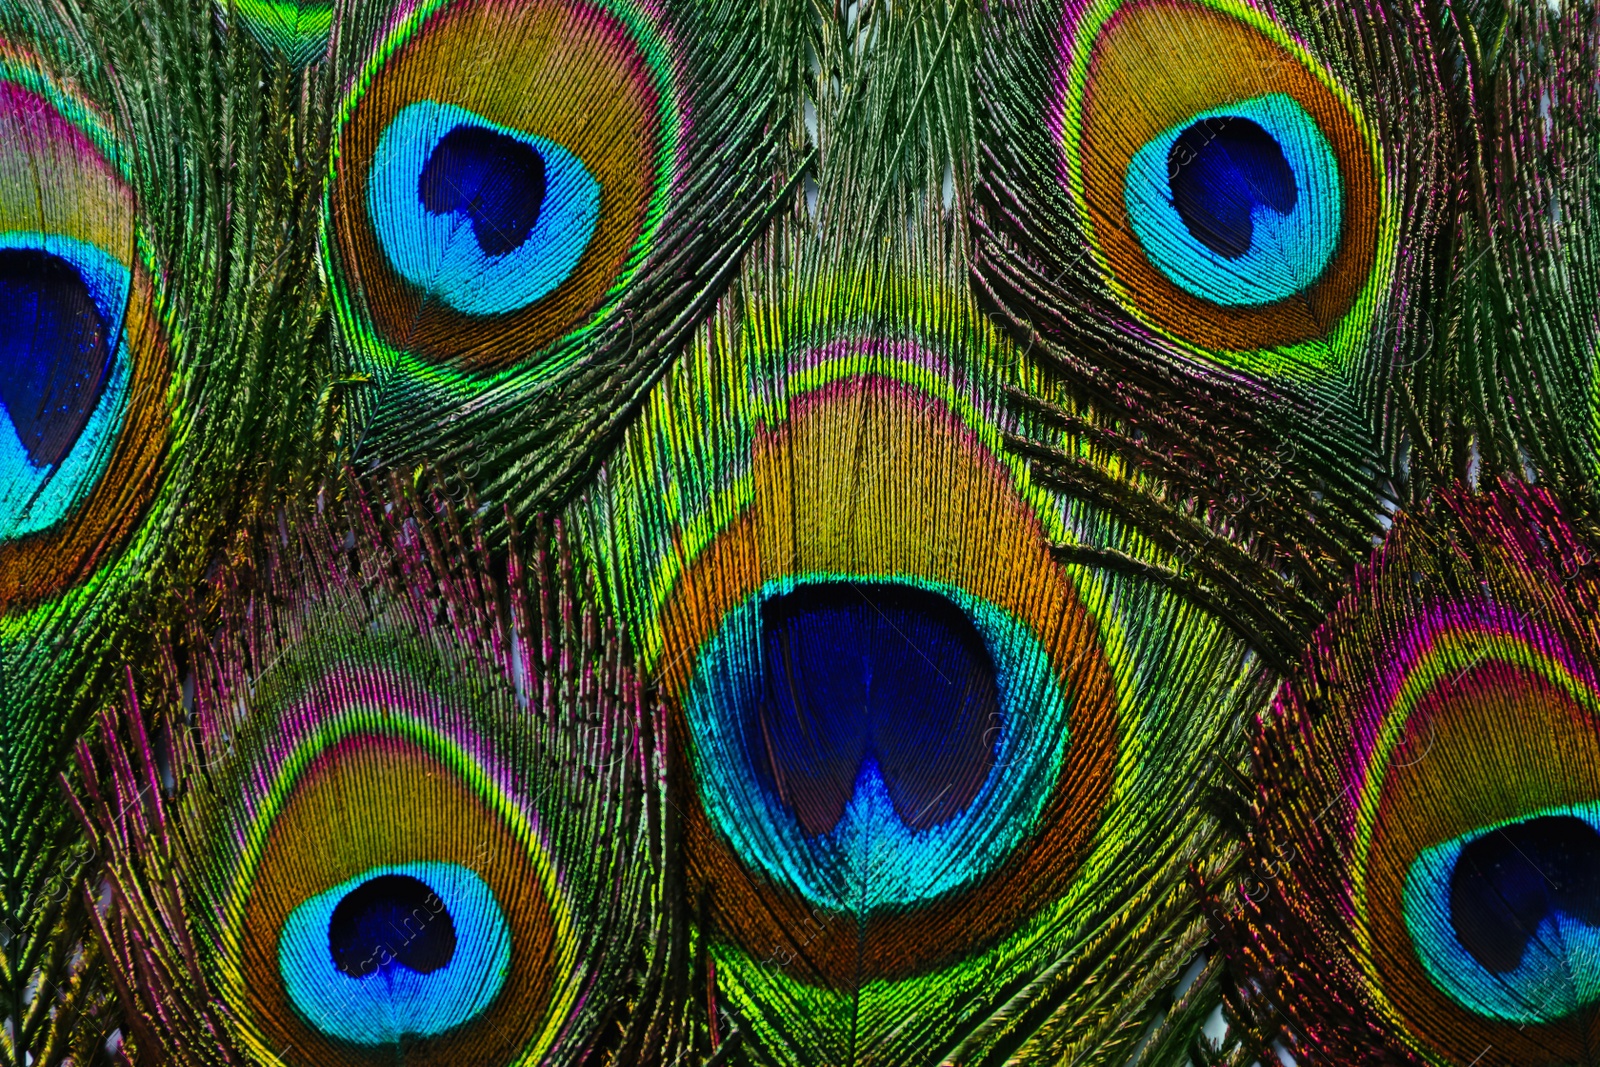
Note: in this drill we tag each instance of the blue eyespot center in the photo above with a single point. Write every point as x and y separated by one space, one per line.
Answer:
1506 920
1221 172
1508 883
892 675
1240 206
64 374
394 920
482 217
872 742
56 348
495 180
413 949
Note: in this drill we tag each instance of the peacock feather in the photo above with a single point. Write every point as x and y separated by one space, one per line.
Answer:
680 532
1512 389
906 735
937 787
362 826
1194 213
84 402
1425 818
529 202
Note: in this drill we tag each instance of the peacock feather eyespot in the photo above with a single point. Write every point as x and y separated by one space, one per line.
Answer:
477 215
1238 208
895 709
1460 780
398 924
85 361
407 817
922 760
1484 888
61 304
1225 215
900 721
529 203
394 886
1506 918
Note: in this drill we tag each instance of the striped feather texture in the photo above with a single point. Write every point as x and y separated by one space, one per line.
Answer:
682 532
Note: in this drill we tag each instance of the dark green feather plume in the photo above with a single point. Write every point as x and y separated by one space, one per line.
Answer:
1510 390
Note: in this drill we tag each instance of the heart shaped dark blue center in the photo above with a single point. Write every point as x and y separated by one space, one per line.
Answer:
496 181
393 920
1506 883
888 673
1220 170
55 351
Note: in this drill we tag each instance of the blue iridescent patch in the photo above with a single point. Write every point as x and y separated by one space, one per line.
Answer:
1241 205
1506 919
416 948
64 375
483 217
863 774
